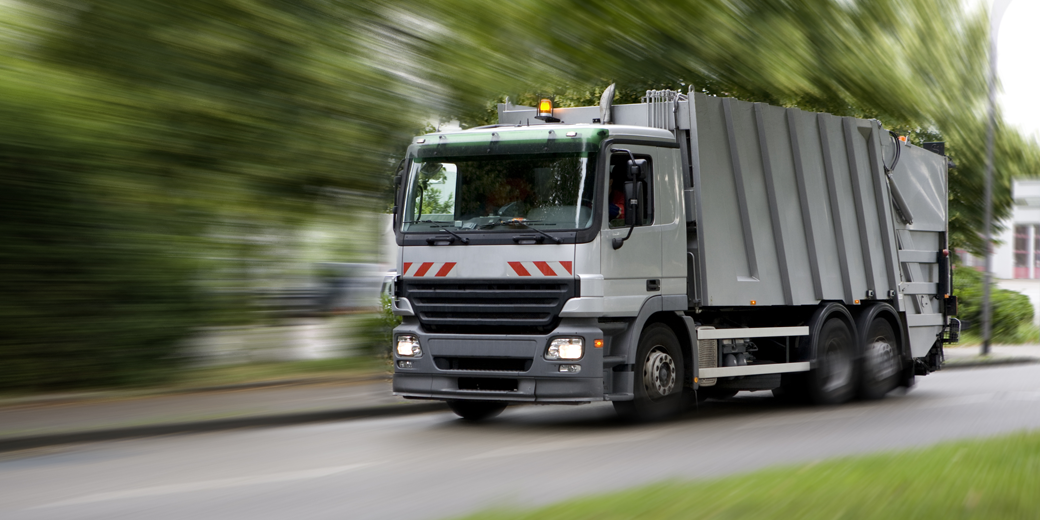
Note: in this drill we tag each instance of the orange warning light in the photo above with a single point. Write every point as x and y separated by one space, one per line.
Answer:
856 302
545 107
753 302
598 343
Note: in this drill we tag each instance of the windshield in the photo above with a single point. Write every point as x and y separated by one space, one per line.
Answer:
542 191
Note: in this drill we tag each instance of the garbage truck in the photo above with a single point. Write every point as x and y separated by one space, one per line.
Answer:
682 248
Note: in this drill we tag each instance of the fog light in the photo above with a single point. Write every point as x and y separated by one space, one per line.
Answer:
570 369
408 346
403 363
565 348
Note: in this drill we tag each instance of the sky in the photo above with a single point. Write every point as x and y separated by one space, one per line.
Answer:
1018 65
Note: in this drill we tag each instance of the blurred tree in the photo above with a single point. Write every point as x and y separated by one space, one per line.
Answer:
152 149
917 65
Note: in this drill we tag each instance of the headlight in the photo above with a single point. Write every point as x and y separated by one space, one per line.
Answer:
408 346
565 348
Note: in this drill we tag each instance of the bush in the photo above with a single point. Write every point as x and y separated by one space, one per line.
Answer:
1011 311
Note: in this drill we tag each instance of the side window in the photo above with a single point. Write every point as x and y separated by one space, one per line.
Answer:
434 192
617 175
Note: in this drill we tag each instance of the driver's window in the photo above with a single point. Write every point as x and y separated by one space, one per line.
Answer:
617 175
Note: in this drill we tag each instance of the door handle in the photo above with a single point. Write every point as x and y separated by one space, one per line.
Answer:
653 285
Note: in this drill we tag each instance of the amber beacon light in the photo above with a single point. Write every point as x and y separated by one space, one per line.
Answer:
545 111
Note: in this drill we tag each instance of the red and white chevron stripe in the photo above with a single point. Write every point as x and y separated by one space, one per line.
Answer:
428 269
539 269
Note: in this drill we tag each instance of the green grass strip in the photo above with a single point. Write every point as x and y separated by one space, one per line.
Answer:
993 478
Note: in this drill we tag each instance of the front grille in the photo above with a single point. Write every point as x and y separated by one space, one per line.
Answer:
488 306
479 364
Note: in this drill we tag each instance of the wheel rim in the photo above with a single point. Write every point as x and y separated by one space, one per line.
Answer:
881 358
838 366
658 373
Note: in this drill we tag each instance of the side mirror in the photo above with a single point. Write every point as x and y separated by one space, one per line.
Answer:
634 201
637 169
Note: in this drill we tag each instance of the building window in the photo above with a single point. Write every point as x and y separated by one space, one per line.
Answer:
1036 251
1022 251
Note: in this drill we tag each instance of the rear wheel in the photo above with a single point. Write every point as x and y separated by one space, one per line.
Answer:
658 376
476 410
833 381
881 366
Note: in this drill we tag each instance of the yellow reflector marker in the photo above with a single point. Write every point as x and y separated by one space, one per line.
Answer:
753 302
695 380
598 343
856 302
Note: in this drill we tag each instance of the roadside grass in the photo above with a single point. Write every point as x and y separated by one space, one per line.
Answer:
259 372
993 479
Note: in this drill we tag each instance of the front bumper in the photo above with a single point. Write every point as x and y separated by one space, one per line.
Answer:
540 381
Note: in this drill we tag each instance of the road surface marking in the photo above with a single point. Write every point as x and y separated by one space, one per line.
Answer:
207 485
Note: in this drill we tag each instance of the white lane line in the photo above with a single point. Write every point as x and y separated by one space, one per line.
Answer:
207 485
570 444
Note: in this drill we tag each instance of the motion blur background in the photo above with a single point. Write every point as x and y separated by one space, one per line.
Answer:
200 182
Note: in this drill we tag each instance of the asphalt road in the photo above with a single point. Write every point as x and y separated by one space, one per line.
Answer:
434 466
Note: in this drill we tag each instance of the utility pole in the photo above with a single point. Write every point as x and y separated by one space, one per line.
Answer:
995 15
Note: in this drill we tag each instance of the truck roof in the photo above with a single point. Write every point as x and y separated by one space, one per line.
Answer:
518 132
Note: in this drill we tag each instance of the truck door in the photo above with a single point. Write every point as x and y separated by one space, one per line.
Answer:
632 273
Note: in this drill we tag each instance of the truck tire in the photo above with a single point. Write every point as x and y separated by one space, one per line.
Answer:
881 367
476 410
658 377
834 380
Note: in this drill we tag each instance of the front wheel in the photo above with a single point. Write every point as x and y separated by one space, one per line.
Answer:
658 377
476 410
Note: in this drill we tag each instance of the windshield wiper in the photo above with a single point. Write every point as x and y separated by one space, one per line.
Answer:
543 233
461 238
423 222
510 221
526 223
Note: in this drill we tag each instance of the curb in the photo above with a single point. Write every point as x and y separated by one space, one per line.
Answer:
979 363
214 425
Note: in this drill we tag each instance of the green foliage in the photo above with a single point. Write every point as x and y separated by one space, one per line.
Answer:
919 66
152 149
992 478
1011 311
95 288
386 323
